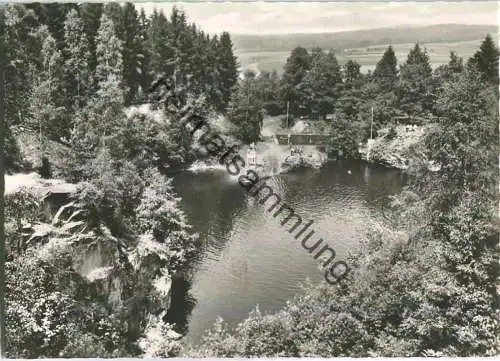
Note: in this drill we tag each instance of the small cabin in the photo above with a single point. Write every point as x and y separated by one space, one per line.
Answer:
56 197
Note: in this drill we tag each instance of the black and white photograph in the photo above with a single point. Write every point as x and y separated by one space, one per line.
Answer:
249 179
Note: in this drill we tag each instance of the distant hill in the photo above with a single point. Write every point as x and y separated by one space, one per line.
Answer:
363 38
270 51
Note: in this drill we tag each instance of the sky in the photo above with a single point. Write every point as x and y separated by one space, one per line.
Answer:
302 17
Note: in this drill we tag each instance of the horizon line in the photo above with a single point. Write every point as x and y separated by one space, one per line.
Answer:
360 29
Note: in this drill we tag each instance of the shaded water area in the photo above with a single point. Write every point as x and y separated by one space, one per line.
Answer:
248 258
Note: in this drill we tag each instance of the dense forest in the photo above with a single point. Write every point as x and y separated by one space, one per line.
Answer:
424 282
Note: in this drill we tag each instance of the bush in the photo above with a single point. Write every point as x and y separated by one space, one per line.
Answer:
113 192
45 169
392 133
20 207
272 108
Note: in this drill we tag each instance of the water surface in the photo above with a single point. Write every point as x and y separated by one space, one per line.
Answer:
248 258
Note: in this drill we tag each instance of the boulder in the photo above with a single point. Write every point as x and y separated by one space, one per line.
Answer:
307 160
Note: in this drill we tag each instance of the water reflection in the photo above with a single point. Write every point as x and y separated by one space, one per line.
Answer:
181 305
247 258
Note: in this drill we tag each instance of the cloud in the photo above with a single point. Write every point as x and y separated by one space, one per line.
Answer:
301 17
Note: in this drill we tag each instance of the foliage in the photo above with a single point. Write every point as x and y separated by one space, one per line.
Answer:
449 71
133 51
217 342
353 78
416 91
45 320
21 209
321 84
485 60
20 48
246 110
392 133
228 69
158 213
386 72
295 70
268 91
468 119
90 14
383 106
108 51
345 136
77 75
113 192
160 343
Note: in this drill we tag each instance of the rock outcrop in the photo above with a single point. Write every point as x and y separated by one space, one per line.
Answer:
394 149
311 158
110 268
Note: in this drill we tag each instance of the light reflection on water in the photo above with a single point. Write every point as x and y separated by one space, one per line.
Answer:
247 258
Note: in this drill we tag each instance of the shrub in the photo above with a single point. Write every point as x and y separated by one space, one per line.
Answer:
392 133
272 108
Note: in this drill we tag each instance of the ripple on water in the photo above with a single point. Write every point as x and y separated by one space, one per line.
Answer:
248 258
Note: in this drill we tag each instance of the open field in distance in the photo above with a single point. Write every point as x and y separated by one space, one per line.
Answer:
268 52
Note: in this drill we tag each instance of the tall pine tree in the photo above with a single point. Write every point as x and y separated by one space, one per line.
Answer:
144 55
23 52
486 60
77 54
132 51
90 14
416 91
228 68
45 110
386 71
99 120
296 68
349 102
109 53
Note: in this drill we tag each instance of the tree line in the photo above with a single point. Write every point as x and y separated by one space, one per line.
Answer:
66 58
314 85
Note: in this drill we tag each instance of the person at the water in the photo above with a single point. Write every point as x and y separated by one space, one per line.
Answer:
251 155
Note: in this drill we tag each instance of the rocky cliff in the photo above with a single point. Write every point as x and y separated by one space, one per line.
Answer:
394 148
48 222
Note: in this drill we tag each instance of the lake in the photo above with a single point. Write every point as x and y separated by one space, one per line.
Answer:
248 258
